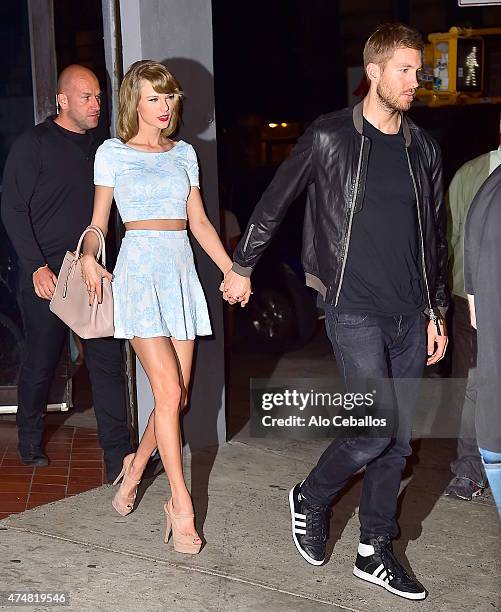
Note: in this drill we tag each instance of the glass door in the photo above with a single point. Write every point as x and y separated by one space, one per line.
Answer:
16 115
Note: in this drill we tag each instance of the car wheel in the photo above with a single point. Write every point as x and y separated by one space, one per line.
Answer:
271 321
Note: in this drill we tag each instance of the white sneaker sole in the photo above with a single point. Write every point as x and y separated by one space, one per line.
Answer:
305 556
375 580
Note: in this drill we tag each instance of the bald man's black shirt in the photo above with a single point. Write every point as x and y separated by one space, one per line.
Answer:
47 193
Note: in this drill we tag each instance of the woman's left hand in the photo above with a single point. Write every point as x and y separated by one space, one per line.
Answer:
92 275
245 294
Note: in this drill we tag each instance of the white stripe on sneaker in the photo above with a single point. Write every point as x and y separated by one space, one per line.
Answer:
302 552
379 570
385 584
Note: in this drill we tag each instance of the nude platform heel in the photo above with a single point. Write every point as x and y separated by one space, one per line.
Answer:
183 543
124 505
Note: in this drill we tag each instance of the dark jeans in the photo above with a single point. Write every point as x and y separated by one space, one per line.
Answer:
373 347
464 361
45 335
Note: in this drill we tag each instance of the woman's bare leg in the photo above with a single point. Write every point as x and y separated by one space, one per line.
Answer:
148 443
184 352
164 370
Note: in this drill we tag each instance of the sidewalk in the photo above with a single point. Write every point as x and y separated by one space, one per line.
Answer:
107 562
75 457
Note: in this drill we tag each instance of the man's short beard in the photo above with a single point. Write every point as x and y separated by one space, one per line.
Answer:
390 102
81 122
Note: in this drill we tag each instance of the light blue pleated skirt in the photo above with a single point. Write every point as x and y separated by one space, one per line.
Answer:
156 290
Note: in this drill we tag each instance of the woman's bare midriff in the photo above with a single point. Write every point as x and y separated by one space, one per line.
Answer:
157 224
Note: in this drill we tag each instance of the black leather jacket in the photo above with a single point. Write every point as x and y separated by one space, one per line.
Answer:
330 160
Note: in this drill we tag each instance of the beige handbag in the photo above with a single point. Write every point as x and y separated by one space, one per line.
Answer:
70 301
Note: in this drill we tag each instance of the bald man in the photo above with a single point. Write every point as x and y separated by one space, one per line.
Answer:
47 202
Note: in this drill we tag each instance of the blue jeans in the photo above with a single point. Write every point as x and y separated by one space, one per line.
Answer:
492 466
372 347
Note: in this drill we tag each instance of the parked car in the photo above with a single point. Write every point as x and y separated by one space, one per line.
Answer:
282 313
11 337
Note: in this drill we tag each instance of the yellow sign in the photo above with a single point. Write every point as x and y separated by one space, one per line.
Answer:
453 71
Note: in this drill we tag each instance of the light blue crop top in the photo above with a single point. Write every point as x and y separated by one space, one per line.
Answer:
147 185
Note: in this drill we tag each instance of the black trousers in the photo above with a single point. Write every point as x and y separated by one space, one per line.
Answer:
45 335
464 366
377 348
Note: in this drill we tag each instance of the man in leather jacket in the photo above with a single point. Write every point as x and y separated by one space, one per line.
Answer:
375 248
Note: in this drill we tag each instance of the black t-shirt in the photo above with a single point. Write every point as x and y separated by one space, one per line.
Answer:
48 193
83 141
382 274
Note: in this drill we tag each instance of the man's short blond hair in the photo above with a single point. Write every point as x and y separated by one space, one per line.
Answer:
389 37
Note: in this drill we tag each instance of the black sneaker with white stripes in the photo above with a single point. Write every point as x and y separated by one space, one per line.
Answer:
376 563
309 527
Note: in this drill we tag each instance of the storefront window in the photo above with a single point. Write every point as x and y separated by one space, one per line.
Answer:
16 115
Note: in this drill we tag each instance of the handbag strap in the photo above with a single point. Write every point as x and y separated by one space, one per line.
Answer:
101 252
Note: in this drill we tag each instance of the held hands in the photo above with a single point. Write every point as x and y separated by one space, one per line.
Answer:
44 282
93 274
236 288
436 344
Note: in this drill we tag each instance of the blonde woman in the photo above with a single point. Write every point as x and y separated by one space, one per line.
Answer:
159 304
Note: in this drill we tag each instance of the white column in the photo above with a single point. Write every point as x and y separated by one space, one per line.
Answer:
179 34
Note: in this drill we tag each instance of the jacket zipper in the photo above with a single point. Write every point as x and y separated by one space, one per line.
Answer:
348 233
432 314
251 227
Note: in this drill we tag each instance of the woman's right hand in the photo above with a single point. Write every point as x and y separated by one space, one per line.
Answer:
93 274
